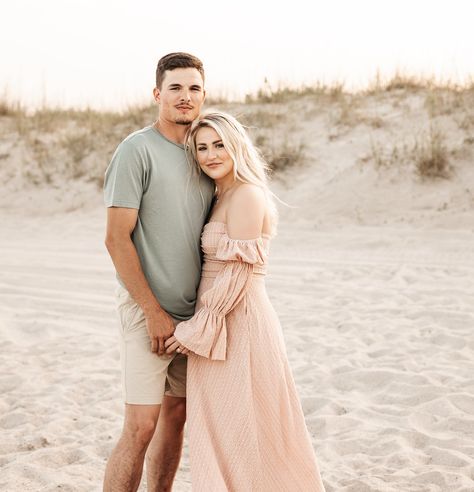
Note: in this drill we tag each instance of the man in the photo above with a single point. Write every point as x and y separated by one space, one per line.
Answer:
156 210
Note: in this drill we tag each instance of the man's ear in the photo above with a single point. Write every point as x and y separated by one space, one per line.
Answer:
156 94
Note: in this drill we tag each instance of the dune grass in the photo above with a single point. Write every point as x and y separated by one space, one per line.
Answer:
63 143
283 93
431 156
428 155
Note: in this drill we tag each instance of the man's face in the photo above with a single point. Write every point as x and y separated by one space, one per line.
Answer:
181 95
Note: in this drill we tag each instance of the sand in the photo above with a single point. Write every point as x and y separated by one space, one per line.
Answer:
378 323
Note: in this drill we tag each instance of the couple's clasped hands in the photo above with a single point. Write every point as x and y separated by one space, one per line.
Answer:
160 329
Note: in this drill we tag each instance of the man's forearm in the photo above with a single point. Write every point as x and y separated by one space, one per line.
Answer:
127 263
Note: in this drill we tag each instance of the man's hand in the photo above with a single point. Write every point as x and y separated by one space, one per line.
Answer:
120 225
160 327
172 344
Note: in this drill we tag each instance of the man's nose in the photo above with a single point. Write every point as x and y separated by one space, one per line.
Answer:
186 95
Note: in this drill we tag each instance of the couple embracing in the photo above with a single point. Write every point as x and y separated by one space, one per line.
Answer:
189 221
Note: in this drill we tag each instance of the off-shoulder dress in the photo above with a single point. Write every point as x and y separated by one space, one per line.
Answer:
246 428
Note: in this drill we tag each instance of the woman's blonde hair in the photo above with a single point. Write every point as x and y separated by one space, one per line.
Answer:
249 165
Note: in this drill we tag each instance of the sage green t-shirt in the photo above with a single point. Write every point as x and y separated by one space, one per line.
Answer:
150 173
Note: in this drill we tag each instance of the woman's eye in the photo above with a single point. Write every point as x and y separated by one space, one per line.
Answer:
201 148
220 146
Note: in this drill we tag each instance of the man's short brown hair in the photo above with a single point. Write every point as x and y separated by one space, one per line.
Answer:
177 60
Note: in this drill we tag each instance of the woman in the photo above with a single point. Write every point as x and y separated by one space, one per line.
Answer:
246 427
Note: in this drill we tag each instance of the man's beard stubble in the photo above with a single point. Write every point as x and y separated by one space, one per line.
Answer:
186 119
183 122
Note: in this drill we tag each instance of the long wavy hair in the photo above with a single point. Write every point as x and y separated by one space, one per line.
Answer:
249 165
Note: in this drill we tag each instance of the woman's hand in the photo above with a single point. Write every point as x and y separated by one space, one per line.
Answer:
172 345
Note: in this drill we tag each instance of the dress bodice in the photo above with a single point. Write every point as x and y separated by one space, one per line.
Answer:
218 248
232 264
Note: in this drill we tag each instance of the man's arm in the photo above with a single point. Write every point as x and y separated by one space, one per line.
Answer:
120 225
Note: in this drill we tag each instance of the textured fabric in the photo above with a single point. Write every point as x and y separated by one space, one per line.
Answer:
245 423
151 174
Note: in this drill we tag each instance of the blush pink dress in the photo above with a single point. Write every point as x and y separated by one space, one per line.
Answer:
246 427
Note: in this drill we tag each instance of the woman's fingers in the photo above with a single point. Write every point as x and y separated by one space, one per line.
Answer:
169 341
173 345
171 348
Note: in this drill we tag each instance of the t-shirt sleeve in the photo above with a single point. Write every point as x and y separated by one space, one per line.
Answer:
125 177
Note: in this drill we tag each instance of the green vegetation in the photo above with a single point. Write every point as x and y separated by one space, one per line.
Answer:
430 155
54 144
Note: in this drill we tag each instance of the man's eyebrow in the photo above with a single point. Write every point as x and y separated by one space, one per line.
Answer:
175 84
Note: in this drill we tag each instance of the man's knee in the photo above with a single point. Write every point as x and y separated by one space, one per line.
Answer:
175 410
140 424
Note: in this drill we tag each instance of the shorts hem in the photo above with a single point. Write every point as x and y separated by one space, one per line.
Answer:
142 401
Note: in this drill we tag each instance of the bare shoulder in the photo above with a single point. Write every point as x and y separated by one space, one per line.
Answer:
246 212
248 193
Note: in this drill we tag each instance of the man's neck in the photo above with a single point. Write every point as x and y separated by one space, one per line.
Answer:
171 131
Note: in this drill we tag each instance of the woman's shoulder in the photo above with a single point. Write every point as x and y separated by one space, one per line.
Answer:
248 192
246 212
247 199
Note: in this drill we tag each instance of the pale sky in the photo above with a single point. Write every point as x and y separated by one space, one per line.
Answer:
103 53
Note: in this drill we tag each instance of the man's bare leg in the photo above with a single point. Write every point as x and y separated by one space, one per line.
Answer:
125 466
164 452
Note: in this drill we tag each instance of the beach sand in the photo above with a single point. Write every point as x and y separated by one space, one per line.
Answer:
378 322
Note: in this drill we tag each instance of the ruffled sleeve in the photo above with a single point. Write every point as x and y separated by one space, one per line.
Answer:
246 250
206 333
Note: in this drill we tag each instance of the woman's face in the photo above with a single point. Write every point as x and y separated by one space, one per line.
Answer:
211 154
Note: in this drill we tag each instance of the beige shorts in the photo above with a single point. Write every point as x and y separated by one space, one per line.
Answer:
146 376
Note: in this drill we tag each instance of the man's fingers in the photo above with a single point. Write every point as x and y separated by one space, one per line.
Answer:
161 345
154 345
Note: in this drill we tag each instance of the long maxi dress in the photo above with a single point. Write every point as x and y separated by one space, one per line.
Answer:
246 428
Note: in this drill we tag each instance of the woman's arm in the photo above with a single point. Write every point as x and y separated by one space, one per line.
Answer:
206 332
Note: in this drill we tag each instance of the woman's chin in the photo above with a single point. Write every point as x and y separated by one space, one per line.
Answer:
214 174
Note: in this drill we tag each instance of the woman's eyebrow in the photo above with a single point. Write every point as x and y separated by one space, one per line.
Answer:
213 143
